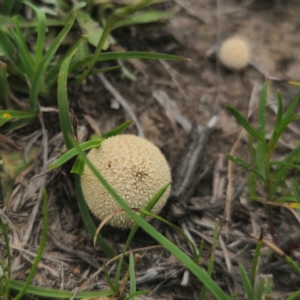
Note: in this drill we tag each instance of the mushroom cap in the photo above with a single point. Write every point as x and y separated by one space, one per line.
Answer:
135 168
234 53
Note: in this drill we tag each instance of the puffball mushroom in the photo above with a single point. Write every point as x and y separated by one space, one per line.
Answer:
135 168
234 53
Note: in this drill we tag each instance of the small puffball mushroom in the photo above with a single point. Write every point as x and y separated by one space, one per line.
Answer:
234 53
135 168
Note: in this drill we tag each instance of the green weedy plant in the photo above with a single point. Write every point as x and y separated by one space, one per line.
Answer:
269 174
269 178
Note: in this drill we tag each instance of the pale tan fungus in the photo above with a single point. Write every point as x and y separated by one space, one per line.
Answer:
234 53
135 168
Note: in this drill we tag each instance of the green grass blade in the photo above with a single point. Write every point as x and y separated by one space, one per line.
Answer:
131 8
127 55
262 109
41 27
54 293
294 296
8 254
114 289
89 145
134 229
11 126
8 6
243 121
260 163
88 222
144 18
7 47
23 51
243 164
212 258
192 266
292 107
38 77
293 264
276 132
78 166
40 251
62 100
132 276
246 282
3 86
73 152
14 114
255 262
118 130
138 293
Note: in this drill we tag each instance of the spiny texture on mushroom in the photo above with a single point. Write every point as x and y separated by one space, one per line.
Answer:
135 168
234 53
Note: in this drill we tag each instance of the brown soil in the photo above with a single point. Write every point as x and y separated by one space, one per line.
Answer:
198 90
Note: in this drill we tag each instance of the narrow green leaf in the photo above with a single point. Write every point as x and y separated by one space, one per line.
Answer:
246 282
15 114
276 132
126 55
54 293
41 27
108 280
23 51
8 6
294 296
296 190
131 8
243 164
132 276
7 247
192 266
145 18
243 121
88 222
40 251
7 47
118 130
138 293
255 263
73 152
38 77
62 100
292 107
262 109
78 166
260 163
11 126
3 86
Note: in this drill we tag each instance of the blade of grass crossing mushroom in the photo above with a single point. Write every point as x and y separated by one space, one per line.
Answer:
41 27
192 266
212 258
49 293
88 222
148 207
41 248
89 145
42 68
62 100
